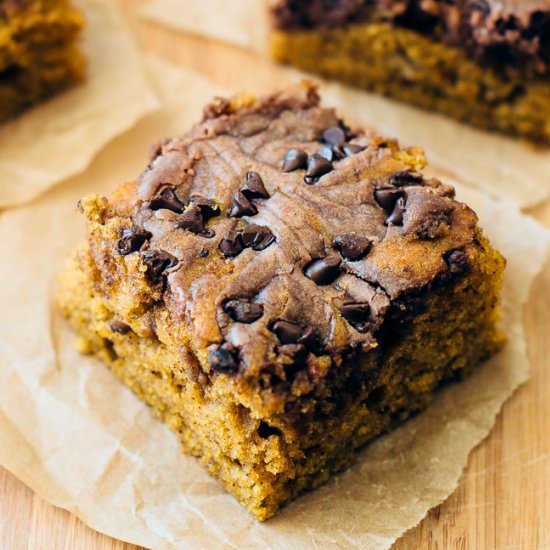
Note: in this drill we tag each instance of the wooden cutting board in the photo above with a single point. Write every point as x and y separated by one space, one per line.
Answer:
503 500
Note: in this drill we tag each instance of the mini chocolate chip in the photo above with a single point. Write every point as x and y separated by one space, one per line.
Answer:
327 153
457 261
242 311
318 166
334 136
131 240
120 327
242 206
231 245
257 237
400 179
396 217
157 261
351 246
208 207
352 149
165 197
286 332
324 270
203 253
356 314
191 220
387 198
253 187
222 360
294 160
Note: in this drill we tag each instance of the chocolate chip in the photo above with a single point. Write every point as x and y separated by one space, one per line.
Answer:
191 220
356 314
317 166
351 246
253 187
231 245
396 217
131 240
352 149
387 198
323 271
223 360
242 206
458 262
286 332
203 253
294 160
334 136
243 312
257 237
120 327
326 153
157 261
400 179
208 207
166 198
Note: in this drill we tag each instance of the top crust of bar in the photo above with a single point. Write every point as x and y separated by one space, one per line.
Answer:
506 35
255 266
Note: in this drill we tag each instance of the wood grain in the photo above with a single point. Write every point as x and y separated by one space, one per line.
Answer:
503 500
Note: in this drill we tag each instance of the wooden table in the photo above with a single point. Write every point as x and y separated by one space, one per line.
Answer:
503 500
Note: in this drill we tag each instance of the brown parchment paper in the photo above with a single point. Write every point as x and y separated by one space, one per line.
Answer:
500 165
79 438
59 138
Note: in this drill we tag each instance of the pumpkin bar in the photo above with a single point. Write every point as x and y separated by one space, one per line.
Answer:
485 62
282 289
39 55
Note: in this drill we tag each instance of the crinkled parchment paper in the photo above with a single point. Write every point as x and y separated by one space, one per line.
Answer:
83 441
500 165
59 138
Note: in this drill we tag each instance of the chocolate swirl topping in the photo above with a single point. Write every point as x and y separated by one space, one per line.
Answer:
293 272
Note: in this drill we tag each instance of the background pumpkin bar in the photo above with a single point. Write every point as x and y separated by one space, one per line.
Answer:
282 290
486 62
38 52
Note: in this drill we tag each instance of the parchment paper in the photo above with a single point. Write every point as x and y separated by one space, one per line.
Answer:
500 165
83 441
59 138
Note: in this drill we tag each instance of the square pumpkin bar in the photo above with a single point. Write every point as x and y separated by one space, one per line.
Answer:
282 289
39 54
485 62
